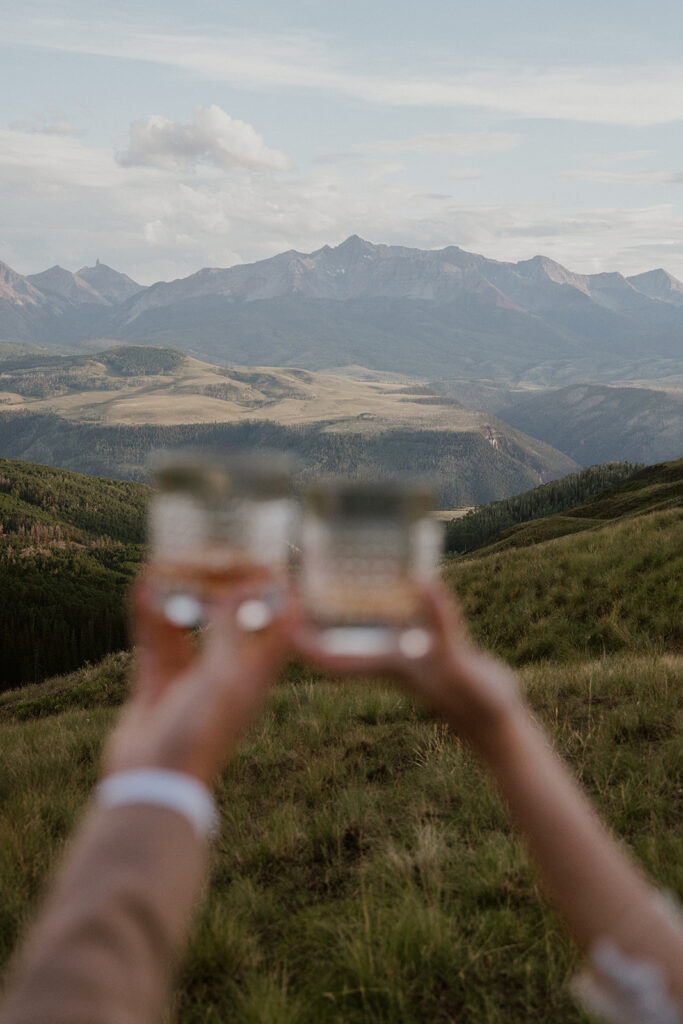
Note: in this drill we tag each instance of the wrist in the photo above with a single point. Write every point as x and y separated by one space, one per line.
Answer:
159 787
480 699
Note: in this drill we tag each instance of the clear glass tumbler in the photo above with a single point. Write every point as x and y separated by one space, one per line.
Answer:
366 549
212 526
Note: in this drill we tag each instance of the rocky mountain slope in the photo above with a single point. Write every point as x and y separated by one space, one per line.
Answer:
431 313
592 423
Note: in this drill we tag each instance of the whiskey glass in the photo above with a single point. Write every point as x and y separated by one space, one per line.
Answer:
214 525
367 548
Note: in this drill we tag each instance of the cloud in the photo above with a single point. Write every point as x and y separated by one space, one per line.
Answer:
64 201
212 137
628 94
45 128
625 177
624 157
457 144
55 161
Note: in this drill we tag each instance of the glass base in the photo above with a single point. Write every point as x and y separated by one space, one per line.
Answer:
183 610
412 642
358 641
187 611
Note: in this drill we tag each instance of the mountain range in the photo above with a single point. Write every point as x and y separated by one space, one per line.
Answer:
424 313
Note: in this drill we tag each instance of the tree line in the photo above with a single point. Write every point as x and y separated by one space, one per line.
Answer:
481 524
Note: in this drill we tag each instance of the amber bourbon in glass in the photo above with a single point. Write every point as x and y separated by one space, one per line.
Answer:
366 549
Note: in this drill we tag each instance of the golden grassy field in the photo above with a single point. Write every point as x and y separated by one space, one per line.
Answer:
196 392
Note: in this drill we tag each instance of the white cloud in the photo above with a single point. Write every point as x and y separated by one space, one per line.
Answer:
630 94
55 161
212 137
64 201
40 127
623 157
455 144
625 177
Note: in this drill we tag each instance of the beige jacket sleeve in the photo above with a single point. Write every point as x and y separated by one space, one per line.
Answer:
104 947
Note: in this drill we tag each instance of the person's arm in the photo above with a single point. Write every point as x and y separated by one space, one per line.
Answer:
103 949
600 893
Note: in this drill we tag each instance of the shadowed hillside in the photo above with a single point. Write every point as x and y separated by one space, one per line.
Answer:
468 466
651 489
67 558
598 424
481 524
69 547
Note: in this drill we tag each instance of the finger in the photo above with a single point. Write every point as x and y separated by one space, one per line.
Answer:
164 650
441 608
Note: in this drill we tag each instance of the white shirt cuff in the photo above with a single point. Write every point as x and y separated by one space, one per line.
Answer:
161 788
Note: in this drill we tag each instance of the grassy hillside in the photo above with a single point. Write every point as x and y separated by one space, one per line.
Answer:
614 588
69 547
603 577
651 489
365 870
479 525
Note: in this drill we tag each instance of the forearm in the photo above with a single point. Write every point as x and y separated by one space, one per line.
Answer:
104 947
594 884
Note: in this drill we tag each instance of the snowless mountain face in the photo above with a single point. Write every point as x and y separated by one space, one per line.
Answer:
108 283
59 282
16 289
357 269
99 285
442 313
659 285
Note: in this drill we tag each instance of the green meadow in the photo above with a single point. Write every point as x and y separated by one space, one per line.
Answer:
365 870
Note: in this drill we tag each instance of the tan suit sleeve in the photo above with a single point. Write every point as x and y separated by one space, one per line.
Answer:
104 947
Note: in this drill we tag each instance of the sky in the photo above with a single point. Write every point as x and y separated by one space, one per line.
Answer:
161 137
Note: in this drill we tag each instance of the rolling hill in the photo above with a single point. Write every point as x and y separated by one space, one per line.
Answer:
149 385
477 526
69 547
103 412
651 490
70 544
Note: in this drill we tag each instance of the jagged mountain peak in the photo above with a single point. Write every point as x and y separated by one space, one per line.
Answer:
441 311
110 283
544 268
58 281
355 243
659 284
7 273
17 289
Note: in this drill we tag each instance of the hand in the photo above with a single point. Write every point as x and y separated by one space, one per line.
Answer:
189 708
475 692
